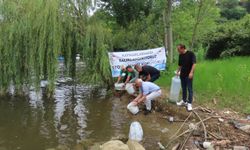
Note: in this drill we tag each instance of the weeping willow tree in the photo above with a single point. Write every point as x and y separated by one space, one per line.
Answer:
96 46
74 23
34 33
30 40
89 36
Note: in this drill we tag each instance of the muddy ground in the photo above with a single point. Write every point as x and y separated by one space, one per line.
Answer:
203 127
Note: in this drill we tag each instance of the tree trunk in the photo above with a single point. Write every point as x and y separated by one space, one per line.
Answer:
168 30
197 23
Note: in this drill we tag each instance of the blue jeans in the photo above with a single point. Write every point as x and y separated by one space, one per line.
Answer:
187 83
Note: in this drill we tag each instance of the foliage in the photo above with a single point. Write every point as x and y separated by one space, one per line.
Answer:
126 11
143 34
35 33
229 39
96 46
231 9
245 4
185 17
30 40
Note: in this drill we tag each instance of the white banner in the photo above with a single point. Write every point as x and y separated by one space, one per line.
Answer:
154 57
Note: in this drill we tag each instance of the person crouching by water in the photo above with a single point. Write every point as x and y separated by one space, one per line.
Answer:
148 92
127 75
147 73
123 74
132 74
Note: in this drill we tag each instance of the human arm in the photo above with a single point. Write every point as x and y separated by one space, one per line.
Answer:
178 71
136 76
140 99
128 77
118 80
146 74
148 77
137 98
191 74
120 77
144 92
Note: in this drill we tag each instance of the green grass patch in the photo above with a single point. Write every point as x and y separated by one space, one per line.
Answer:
227 81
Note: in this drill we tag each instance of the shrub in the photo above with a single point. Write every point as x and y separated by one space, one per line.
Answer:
229 39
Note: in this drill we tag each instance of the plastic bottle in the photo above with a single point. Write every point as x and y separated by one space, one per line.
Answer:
175 89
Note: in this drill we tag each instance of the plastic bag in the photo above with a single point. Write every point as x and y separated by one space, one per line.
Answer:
136 132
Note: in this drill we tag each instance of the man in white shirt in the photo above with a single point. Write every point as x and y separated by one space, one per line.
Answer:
148 92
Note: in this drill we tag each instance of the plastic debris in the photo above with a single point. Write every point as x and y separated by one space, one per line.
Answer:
136 132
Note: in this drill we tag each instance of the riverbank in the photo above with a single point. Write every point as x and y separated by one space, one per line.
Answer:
222 128
221 83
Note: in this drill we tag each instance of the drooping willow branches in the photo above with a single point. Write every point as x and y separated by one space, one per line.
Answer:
34 33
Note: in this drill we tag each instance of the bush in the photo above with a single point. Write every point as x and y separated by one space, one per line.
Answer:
231 38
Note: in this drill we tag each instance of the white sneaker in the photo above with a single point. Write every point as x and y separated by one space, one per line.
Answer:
181 103
189 107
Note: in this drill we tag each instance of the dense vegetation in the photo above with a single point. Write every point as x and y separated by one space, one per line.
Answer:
230 39
34 33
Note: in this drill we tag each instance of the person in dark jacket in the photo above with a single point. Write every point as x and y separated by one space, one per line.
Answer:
147 73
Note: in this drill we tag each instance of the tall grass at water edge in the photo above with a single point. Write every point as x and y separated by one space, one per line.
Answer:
225 81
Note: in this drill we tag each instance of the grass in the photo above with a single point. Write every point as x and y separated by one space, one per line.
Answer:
227 81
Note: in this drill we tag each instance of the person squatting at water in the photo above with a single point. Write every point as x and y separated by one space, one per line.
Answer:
187 62
148 92
147 73
127 75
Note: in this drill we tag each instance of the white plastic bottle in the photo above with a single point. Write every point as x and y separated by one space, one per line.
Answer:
175 89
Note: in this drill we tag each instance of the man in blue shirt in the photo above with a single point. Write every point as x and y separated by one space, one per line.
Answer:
148 92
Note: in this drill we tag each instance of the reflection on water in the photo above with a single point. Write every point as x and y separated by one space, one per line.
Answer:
37 123
76 113
40 123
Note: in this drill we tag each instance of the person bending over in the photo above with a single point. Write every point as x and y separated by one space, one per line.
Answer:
148 92
147 73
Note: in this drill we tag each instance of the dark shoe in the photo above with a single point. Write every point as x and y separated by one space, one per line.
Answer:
146 112
144 108
153 104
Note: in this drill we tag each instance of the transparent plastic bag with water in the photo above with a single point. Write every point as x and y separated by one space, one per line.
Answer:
136 132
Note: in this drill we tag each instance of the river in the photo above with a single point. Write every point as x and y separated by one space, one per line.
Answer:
78 115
